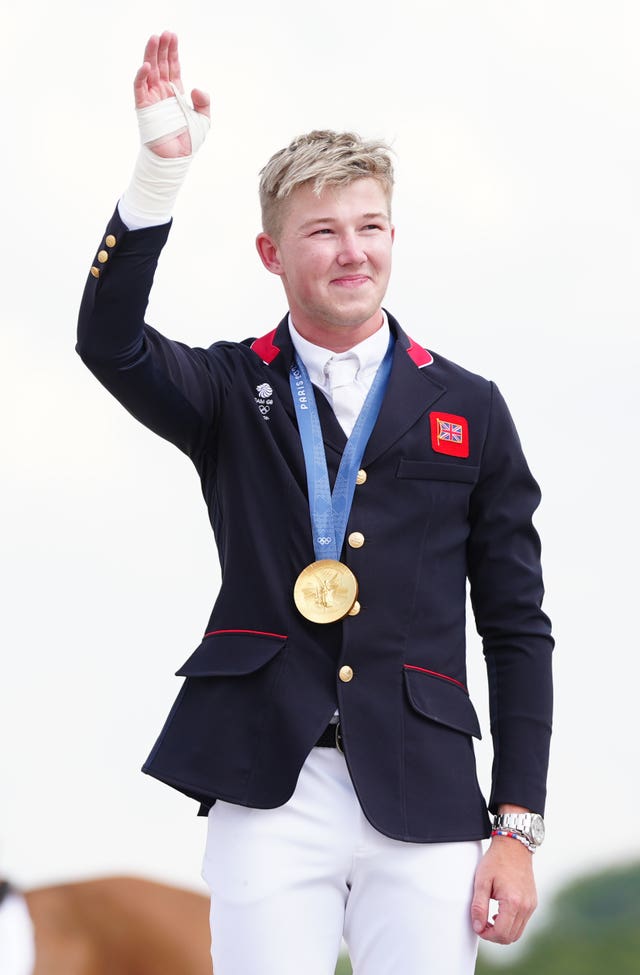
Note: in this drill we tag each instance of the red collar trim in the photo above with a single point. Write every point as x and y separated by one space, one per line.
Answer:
420 356
265 348
267 351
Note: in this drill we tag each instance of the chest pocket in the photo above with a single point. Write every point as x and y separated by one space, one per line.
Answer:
442 489
429 470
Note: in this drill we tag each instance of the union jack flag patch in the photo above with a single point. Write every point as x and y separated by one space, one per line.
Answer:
449 434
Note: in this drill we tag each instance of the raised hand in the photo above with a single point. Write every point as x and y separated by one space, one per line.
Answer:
152 83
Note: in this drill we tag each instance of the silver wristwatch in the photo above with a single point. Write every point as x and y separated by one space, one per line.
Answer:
527 826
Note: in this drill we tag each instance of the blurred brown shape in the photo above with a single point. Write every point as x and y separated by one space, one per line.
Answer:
120 926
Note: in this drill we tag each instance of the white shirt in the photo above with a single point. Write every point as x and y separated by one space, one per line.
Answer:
367 356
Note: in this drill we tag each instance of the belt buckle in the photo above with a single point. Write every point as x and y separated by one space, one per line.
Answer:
339 741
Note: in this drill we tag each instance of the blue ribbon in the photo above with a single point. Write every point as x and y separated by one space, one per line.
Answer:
330 512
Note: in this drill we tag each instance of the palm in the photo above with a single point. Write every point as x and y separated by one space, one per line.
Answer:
153 82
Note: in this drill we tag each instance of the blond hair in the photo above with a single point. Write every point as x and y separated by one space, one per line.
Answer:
324 158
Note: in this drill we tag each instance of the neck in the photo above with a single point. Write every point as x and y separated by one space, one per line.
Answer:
338 338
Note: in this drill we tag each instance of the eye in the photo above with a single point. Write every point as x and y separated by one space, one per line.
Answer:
322 230
373 226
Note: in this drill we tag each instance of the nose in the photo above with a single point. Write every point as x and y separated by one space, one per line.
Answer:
351 251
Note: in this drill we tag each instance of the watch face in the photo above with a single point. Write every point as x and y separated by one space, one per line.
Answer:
537 829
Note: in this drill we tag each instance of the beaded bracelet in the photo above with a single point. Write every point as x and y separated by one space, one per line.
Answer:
514 836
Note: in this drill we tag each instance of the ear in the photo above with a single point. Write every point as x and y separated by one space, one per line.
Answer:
269 253
393 233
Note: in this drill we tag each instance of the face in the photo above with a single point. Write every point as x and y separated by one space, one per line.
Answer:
333 255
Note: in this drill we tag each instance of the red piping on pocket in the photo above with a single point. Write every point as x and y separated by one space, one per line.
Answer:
281 636
434 673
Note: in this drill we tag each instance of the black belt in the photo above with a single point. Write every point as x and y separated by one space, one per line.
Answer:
331 737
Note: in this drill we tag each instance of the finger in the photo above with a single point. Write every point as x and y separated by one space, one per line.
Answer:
141 86
151 56
518 931
174 62
480 904
151 48
504 929
163 56
521 920
495 934
201 102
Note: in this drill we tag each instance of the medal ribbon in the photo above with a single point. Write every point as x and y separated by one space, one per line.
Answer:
330 512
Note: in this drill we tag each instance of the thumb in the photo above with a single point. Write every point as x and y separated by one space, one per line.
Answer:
480 903
201 102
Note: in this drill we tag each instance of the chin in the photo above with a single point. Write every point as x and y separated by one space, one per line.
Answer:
353 318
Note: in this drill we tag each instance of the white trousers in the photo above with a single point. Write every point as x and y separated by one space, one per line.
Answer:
287 884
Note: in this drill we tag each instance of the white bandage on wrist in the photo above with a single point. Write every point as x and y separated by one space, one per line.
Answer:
150 197
170 116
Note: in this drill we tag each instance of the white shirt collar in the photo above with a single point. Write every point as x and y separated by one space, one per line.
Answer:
369 354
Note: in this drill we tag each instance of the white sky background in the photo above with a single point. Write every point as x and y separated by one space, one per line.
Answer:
518 149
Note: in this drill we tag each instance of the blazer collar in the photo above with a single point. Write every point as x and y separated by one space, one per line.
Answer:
410 392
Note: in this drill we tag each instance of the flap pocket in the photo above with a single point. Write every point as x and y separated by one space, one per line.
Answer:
441 699
232 652
433 471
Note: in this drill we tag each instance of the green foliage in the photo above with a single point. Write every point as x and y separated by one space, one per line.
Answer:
344 966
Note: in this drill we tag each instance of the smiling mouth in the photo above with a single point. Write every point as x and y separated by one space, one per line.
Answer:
351 280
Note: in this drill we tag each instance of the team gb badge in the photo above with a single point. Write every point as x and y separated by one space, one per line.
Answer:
449 434
264 399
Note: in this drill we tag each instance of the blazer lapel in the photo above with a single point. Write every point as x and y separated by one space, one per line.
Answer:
279 345
410 393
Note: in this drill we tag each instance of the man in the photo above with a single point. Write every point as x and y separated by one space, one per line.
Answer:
324 724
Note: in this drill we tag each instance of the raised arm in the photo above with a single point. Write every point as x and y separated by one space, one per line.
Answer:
171 132
173 389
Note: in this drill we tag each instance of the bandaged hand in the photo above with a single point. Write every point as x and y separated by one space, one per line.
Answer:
171 132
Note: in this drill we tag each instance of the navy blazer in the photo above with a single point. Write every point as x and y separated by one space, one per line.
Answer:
439 505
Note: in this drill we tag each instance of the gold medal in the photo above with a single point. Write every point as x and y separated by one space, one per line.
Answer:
326 591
